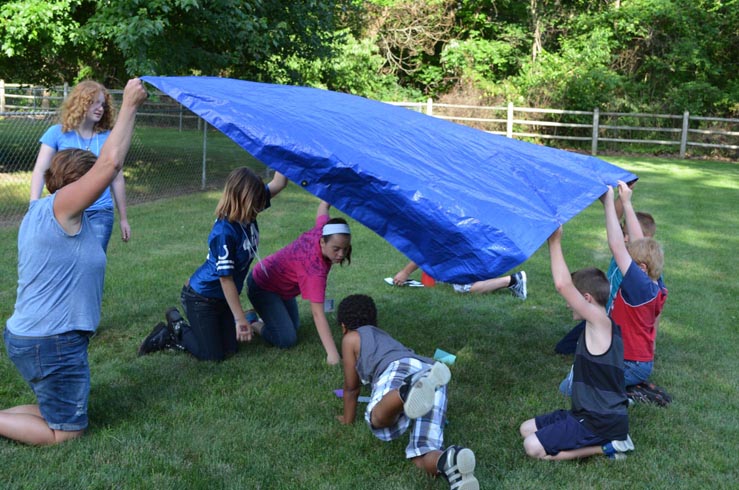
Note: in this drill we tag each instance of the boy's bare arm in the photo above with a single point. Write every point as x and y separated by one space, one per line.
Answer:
633 228
349 353
619 204
615 235
594 316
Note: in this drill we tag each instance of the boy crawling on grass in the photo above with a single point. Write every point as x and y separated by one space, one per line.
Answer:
598 422
407 389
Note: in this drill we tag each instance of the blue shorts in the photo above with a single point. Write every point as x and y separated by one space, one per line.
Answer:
57 371
428 431
561 431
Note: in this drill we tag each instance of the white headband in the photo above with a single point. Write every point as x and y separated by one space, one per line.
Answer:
334 228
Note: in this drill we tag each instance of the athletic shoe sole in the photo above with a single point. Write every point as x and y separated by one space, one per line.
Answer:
623 446
421 395
465 460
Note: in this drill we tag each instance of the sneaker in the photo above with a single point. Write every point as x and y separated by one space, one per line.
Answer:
457 464
648 393
519 289
159 339
175 322
462 288
419 389
618 449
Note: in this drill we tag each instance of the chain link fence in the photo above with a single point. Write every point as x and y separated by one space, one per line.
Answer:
172 152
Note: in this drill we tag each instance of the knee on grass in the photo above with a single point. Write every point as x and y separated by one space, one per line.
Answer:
533 447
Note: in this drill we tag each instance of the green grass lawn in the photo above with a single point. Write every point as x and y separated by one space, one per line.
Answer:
266 418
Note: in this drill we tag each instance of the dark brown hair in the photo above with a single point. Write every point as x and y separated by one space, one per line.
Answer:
68 166
593 281
327 238
357 310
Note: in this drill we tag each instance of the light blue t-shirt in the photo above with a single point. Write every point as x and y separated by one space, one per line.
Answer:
60 276
57 140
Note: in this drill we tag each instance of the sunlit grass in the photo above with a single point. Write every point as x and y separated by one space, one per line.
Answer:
265 418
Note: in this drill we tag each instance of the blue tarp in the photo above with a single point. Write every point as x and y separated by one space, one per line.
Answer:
463 204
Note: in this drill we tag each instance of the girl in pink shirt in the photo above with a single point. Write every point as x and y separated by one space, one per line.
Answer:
300 268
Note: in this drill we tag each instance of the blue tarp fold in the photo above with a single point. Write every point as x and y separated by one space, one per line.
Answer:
463 204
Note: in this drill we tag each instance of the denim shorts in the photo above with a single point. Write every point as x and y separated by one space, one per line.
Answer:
57 371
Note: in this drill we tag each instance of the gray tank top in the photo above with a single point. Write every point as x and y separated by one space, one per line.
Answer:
60 276
377 350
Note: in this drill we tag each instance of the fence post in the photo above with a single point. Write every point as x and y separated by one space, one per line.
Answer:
180 118
684 134
205 147
429 107
509 121
596 122
65 90
2 95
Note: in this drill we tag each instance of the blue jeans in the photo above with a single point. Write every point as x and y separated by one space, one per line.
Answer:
211 334
281 317
101 221
57 371
637 371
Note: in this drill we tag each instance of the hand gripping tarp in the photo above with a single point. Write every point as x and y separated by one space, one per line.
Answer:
463 204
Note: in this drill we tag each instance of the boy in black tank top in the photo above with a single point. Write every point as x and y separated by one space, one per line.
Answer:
598 421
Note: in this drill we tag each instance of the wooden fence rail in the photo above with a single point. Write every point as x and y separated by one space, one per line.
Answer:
513 123
593 126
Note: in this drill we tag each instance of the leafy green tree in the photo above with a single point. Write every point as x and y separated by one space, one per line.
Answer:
114 39
37 40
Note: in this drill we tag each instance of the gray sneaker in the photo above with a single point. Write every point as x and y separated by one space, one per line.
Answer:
419 389
462 288
519 289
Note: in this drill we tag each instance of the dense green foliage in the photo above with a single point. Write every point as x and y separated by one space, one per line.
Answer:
623 55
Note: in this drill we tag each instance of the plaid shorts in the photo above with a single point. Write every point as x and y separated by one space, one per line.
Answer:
428 431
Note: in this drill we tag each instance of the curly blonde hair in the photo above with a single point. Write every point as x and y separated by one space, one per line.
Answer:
82 96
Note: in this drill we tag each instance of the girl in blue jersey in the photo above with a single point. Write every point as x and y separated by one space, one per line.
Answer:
87 117
210 296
